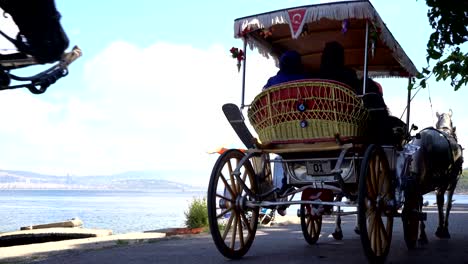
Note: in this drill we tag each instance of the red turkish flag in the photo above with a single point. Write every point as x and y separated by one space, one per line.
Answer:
296 21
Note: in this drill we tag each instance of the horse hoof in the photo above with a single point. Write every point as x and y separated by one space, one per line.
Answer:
337 235
423 241
357 231
442 233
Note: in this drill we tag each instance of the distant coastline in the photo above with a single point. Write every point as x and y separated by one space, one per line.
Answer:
131 181
149 181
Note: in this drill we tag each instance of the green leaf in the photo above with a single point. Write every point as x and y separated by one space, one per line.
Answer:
435 55
423 83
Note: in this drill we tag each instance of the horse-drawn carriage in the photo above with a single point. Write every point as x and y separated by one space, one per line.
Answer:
319 130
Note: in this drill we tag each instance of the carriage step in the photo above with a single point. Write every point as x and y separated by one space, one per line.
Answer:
235 118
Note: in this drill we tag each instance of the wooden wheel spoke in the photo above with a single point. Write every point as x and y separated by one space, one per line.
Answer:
244 175
379 180
224 212
373 240
378 235
370 218
226 184
384 186
376 166
234 232
241 233
308 221
314 226
224 198
232 178
228 226
229 164
384 235
370 206
243 178
311 226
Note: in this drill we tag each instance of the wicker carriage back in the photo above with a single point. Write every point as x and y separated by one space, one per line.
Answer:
307 111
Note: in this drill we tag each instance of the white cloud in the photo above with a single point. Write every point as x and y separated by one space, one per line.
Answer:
161 105
150 108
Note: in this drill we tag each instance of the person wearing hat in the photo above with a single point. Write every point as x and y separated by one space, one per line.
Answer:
291 69
332 66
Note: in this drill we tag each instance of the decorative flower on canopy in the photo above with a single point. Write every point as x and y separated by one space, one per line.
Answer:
266 32
238 54
247 30
344 26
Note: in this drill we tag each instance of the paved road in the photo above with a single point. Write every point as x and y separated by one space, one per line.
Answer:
285 244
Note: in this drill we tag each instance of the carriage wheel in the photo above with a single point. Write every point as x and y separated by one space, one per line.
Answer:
232 223
410 219
375 208
311 224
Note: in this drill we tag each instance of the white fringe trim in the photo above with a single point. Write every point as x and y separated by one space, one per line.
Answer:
334 11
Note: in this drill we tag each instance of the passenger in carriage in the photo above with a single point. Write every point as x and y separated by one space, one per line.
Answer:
383 128
374 95
332 66
291 69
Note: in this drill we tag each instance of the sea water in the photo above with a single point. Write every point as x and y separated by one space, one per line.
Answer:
120 211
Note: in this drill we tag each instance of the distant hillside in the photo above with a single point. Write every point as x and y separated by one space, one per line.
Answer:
462 185
144 180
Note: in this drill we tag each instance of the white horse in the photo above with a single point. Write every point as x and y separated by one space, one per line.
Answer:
437 167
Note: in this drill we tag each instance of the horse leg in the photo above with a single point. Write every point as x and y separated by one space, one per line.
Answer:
338 234
422 226
440 233
447 212
356 228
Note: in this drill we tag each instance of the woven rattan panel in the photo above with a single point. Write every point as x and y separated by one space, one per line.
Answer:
307 110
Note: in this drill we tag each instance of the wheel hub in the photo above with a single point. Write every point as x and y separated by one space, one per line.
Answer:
241 202
383 205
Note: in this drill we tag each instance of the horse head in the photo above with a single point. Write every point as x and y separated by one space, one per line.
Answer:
445 124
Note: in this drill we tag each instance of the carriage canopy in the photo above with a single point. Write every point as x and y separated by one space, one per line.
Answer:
306 29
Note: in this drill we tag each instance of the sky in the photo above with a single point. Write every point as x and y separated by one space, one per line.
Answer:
148 90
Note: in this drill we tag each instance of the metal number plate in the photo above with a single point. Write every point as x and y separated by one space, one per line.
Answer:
318 167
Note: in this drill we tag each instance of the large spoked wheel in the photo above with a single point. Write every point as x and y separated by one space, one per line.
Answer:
311 224
232 223
410 219
375 207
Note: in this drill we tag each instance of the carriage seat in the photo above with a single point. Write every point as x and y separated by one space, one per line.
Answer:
307 111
